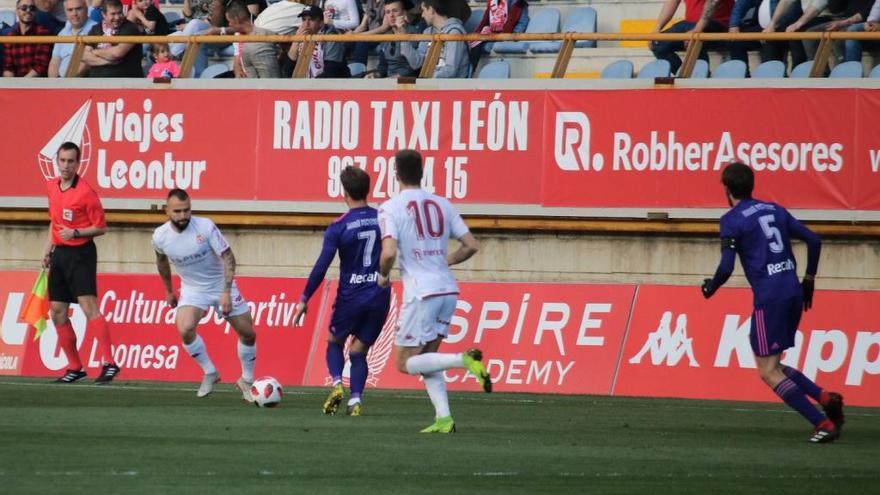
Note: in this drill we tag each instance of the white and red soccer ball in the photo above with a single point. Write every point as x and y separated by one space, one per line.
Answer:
266 392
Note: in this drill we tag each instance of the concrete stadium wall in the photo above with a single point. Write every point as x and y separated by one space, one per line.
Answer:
519 257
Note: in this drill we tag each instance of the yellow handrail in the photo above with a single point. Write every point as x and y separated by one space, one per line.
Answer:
694 44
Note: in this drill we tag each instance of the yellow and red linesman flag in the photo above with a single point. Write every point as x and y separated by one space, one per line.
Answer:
36 306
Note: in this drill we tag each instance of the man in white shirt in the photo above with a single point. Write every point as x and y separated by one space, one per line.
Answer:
206 266
416 226
78 22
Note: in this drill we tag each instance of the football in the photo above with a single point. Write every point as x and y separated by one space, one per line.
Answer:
266 392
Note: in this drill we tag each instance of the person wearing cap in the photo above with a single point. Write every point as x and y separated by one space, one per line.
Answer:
328 58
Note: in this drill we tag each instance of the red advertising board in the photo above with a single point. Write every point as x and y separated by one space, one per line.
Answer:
537 148
666 149
549 338
477 146
146 343
680 345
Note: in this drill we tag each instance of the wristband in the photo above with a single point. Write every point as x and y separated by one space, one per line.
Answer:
222 30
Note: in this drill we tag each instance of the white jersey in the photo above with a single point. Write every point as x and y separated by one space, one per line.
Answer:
195 253
422 224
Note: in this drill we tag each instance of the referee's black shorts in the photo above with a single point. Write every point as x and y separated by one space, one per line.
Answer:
73 272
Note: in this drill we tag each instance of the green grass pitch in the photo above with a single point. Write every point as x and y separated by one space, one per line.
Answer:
159 438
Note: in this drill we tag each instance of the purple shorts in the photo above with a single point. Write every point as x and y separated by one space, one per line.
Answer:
774 326
363 320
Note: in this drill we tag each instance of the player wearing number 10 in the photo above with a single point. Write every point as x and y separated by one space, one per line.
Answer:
761 232
361 306
416 226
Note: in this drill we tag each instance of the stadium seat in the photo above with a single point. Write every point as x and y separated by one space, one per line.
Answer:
497 69
214 70
848 69
620 69
655 68
544 21
769 69
580 20
357 69
732 69
802 70
172 16
701 70
875 72
7 17
474 20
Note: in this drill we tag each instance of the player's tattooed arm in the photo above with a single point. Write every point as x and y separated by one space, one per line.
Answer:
164 267
228 269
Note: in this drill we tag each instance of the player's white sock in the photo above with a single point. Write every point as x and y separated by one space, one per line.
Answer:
431 362
435 383
352 402
199 352
248 356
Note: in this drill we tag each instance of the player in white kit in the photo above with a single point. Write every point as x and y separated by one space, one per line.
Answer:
206 266
416 227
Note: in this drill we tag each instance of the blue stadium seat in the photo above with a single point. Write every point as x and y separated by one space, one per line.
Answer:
848 69
701 70
214 70
769 69
580 20
802 70
497 69
545 20
655 68
7 17
875 72
620 69
172 16
474 20
732 69
357 69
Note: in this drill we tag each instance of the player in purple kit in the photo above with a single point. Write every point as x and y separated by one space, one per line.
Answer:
761 232
361 306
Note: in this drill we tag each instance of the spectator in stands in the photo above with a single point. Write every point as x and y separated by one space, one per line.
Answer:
392 63
372 22
454 61
114 59
810 18
27 59
341 14
163 65
96 10
739 23
500 16
853 48
281 17
146 16
50 14
77 22
328 58
254 60
710 16
855 12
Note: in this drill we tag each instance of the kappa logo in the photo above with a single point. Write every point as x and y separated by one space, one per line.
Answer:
571 147
379 353
74 130
666 345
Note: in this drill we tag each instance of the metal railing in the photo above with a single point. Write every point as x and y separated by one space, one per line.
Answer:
694 44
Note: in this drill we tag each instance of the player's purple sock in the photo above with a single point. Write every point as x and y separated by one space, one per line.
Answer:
806 385
335 360
794 397
358 373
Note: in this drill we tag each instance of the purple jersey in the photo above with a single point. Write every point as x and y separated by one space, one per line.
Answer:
761 233
356 236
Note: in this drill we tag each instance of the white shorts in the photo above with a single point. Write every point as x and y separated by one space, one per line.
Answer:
424 320
204 300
